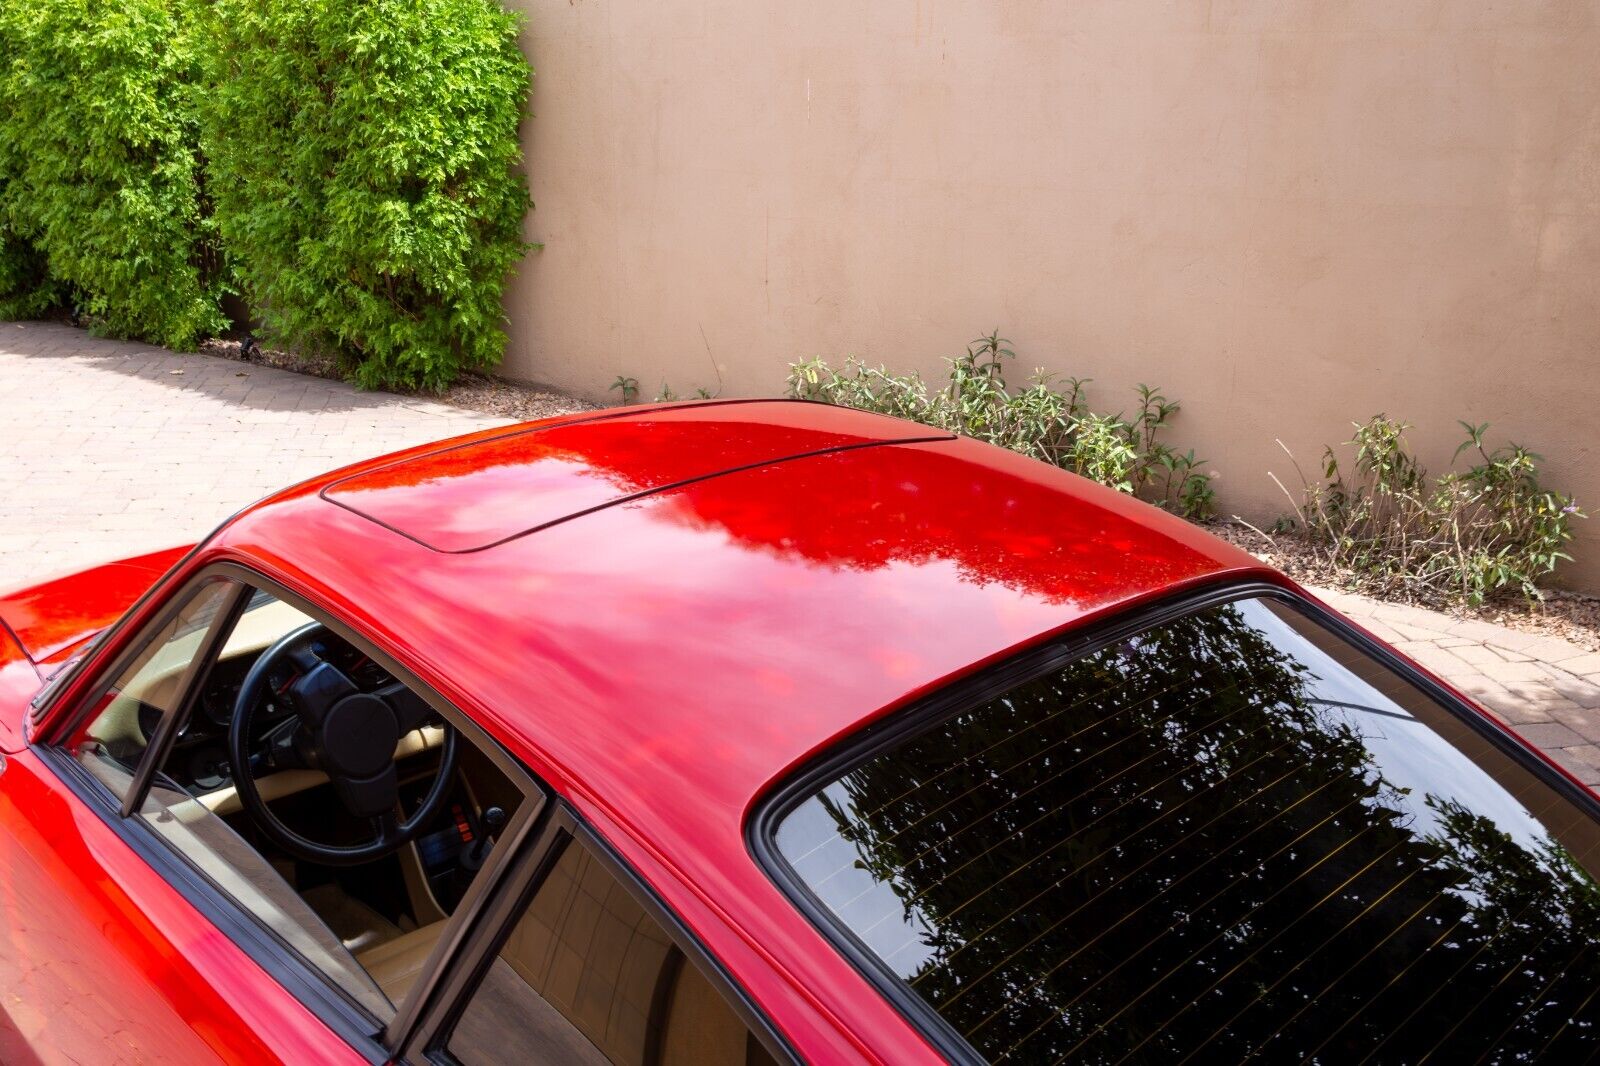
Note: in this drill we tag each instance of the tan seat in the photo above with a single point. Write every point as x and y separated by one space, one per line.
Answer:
395 964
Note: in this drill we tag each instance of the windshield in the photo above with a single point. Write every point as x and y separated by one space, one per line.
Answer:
1230 834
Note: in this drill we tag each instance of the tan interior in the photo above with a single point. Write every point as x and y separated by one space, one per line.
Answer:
203 838
395 964
153 678
225 800
389 959
587 976
587 971
240 871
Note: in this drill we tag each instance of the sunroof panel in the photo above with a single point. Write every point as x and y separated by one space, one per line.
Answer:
472 496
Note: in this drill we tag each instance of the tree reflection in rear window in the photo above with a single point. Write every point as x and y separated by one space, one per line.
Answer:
1231 834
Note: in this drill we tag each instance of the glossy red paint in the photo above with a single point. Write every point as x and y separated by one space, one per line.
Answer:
103 962
54 616
475 495
665 660
19 680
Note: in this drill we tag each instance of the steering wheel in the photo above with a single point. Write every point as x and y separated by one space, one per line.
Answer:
348 734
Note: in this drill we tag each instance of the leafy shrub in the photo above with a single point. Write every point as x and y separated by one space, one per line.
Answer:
1040 420
99 192
1463 536
362 157
26 288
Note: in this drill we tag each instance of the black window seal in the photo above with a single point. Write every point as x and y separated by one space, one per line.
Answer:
563 827
190 683
770 809
365 1033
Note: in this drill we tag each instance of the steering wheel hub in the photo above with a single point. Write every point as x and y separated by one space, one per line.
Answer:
349 733
359 736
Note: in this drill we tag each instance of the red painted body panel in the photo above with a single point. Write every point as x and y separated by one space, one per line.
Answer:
665 660
51 617
471 496
19 680
102 961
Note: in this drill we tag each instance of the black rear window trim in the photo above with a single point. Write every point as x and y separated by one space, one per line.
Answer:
769 811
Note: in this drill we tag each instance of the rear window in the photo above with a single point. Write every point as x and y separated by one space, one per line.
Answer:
1230 834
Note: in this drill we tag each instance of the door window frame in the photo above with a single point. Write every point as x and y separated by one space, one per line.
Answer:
366 1034
543 824
564 827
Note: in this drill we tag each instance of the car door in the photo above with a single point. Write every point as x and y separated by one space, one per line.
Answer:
103 956
121 946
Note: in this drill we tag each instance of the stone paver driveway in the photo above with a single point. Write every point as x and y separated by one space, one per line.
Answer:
1545 688
110 449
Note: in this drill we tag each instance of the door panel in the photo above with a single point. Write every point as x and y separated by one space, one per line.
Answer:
102 961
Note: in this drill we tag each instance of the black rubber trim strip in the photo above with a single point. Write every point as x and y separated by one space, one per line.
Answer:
190 684
488 904
741 1002
770 810
480 941
628 498
490 876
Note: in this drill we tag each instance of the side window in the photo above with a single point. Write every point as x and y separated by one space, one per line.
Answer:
327 802
587 976
116 735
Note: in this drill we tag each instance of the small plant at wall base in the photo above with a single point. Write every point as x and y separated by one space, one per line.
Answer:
1041 420
629 388
1463 536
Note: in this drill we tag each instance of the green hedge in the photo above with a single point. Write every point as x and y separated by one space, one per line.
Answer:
350 167
26 288
99 191
363 157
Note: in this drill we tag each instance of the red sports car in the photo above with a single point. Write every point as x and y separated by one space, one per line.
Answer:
753 732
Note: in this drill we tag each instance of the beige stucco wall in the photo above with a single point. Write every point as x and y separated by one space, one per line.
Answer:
1289 213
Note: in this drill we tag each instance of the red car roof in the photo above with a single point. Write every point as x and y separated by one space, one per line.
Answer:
666 657
474 495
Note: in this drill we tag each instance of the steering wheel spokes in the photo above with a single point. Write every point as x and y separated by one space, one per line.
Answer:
349 734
